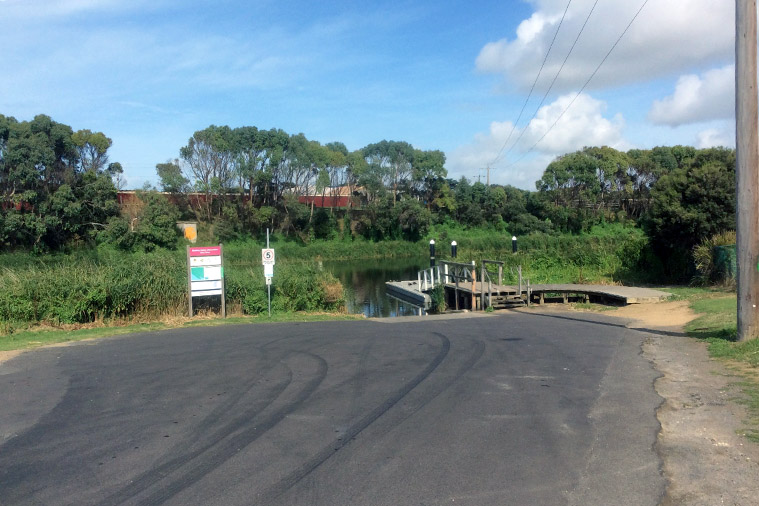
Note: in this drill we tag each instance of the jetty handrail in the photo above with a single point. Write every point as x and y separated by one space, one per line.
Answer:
426 278
453 272
486 275
500 265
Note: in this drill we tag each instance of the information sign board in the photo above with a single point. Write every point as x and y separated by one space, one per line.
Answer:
205 270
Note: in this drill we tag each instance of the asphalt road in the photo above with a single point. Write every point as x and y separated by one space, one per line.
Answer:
512 409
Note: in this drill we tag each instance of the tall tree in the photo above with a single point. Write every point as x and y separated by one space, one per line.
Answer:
250 153
209 154
693 202
48 198
171 178
92 148
392 161
428 175
336 165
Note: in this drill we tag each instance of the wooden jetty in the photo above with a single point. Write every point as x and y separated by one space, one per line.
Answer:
621 294
463 290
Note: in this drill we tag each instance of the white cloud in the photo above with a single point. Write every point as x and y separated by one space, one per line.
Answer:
698 98
667 38
583 124
468 159
716 137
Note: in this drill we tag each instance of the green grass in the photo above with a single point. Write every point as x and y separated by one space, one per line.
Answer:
107 285
35 338
717 326
104 284
592 306
717 321
750 390
44 337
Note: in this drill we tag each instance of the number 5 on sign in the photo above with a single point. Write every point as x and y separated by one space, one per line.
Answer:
267 256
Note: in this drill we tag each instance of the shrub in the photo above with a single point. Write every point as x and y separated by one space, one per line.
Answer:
704 259
437 295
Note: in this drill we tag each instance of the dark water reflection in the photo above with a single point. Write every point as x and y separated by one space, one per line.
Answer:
364 283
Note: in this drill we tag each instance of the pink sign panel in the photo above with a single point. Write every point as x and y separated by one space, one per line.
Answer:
205 252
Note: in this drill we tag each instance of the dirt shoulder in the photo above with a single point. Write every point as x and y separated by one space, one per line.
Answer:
705 459
7 355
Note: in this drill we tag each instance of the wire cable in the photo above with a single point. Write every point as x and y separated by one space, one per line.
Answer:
581 89
514 125
550 87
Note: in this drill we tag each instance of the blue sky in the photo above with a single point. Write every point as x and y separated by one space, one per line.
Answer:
448 75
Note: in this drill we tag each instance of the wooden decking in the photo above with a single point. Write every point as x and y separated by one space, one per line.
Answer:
623 294
499 295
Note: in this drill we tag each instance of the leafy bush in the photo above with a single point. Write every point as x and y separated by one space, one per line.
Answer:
703 257
298 287
154 226
437 296
305 289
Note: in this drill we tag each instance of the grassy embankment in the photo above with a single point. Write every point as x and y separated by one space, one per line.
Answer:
109 288
44 335
717 326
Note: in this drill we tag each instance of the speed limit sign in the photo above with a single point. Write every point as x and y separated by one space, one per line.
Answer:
267 256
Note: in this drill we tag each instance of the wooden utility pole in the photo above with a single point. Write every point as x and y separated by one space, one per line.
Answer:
747 169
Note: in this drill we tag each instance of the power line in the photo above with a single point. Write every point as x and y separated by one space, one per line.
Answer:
581 89
550 87
514 125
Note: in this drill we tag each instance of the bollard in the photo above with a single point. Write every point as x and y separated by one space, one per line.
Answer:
454 247
432 252
514 244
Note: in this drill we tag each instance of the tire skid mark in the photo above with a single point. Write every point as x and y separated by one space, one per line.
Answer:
175 462
210 420
478 350
226 443
354 430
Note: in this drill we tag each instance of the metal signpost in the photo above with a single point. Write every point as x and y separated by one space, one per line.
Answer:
267 258
205 274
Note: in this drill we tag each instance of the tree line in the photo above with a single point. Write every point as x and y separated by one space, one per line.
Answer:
56 185
57 188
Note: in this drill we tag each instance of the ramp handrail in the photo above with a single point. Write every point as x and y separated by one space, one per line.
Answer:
454 272
426 278
486 275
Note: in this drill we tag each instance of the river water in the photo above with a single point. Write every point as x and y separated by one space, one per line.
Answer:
364 283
